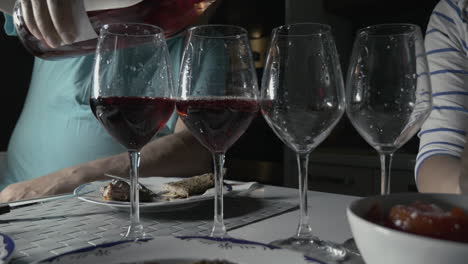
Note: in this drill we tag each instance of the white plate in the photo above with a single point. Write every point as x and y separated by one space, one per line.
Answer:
7 246
182 250
90 192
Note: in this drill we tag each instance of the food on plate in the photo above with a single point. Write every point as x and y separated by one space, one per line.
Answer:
190 186
426 219
118 190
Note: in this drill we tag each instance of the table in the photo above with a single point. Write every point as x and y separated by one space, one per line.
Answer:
71 224
327 217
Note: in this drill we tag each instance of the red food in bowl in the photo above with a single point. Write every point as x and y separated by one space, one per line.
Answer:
426 219
381 243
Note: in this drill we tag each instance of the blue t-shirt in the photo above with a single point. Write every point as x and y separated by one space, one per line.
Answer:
56 128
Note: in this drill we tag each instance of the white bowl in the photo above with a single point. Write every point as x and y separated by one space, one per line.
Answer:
382 245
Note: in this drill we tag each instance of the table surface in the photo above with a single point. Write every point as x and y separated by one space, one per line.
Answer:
276 218
327 214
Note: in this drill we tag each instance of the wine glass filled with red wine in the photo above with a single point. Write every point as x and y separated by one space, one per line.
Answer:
132 94
217 96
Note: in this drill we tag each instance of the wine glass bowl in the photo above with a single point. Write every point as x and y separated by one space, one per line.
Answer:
302 99
132 95
217 96
388 93
302 56
219 122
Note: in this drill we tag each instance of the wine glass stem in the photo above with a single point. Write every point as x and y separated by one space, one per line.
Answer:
135 230
219 230
385 166
304 229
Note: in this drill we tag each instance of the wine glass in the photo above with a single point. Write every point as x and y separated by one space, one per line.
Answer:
218 95
302 100
388 91
132 94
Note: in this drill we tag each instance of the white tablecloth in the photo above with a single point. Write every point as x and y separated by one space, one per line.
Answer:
327 217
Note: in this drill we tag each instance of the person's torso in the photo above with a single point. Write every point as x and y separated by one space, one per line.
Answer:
56 128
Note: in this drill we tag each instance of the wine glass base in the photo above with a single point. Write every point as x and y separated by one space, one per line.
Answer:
313 247
135 233
220 235
353 255
219 232
351 246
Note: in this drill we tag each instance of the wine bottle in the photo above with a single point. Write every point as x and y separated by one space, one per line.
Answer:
172 16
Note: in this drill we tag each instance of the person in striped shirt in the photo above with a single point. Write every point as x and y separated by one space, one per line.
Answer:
442 161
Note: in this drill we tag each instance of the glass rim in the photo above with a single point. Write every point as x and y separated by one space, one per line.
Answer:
156 30
324 29
366 30
242 31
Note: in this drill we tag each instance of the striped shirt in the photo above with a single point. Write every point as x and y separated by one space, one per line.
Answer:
447 53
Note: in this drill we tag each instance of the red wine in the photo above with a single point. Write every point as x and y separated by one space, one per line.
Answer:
171 15
132 121
217 122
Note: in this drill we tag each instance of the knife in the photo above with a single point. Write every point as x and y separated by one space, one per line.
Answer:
7 207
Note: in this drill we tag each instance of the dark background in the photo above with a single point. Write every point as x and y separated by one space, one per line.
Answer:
258 151
15 74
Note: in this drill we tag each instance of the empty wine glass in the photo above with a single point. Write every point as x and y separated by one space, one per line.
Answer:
388 93
132 94
217 97
302 100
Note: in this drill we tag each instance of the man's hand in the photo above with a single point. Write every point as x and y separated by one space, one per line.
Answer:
63 181
60 182
66 180
50 20
6 6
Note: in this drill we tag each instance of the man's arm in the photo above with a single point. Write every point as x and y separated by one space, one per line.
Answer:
178 154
